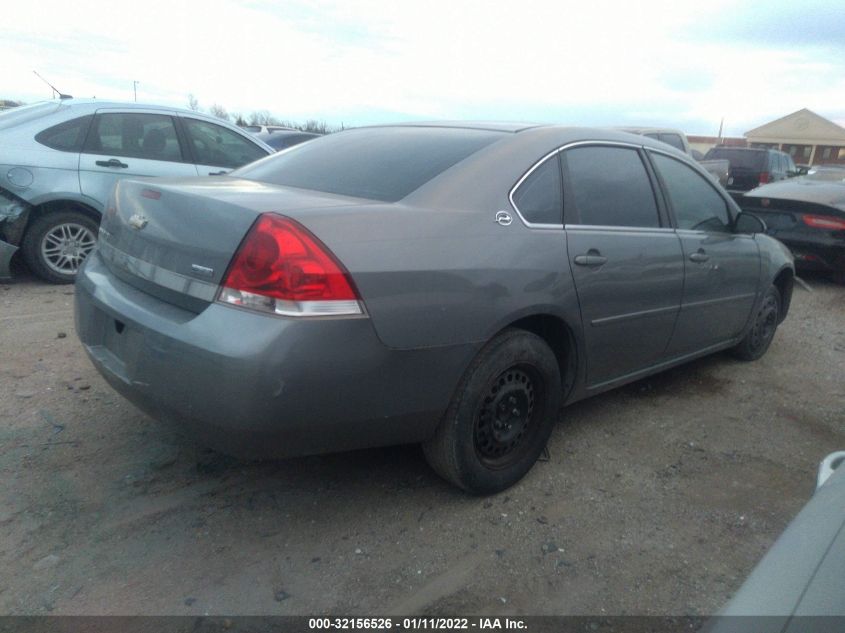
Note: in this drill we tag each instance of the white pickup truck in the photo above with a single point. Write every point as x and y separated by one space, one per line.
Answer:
718 168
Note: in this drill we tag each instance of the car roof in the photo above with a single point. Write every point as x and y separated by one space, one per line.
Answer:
491 126
90 105
649 130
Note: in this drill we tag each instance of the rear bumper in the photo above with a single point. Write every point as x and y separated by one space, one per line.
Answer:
253 385
822 252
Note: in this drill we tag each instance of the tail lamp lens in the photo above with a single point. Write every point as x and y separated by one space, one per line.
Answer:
283 269
824 222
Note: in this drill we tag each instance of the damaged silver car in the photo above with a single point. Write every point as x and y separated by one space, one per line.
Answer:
59 161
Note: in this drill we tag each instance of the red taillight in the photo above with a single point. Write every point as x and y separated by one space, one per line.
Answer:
282 268
824 222
764 177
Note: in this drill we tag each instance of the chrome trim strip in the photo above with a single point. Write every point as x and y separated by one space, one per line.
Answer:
620 229
633 315
696 304
533 225
156 274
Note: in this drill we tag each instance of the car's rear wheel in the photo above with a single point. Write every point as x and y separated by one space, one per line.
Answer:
760 336
56 244
501 415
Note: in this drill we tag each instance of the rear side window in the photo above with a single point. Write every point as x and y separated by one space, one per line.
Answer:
696 203
609 186
218 146
66 137
149 136
539 197
383 164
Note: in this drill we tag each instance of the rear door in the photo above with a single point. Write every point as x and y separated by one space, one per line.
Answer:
216 149
626 261
721 268
129 143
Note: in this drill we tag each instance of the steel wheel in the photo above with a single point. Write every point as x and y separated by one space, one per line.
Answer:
505 416
65 247
500 416
762 331
765 323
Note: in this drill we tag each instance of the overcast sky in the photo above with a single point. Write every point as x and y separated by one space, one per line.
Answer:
680 64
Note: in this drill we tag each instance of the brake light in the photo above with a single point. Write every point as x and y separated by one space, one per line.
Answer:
281 268
764 177
824 222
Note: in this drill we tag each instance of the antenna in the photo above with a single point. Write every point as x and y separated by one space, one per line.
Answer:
52 87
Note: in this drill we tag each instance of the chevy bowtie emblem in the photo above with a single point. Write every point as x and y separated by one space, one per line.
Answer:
138 221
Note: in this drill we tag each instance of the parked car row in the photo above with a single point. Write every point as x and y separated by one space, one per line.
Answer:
752 167
717 167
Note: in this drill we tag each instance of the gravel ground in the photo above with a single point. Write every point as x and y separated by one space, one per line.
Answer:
658 498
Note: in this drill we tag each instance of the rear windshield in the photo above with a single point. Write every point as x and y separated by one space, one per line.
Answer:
747 159
376 163
22 114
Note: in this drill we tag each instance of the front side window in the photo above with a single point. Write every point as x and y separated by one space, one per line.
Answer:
149 136
539 198
697 205
221 147
609 187
67 136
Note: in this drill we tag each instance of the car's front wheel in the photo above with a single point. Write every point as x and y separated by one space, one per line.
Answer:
760 336
501 415
56 244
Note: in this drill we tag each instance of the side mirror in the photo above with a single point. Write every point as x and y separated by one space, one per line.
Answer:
749 223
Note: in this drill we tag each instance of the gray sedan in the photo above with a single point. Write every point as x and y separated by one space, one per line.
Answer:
448 284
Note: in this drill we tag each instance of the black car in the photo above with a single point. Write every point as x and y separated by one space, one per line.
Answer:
752 167
808 215
282 139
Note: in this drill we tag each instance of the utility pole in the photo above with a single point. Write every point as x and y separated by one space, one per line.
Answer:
135 89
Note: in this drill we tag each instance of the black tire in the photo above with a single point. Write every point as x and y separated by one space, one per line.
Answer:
766 321
44 236
500 417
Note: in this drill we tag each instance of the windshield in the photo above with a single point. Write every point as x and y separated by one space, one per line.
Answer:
22 114
377 163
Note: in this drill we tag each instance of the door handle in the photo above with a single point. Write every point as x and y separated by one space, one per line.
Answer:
222 172
112 163
592 258
699 256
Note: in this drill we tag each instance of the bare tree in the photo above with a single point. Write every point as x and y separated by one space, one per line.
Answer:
312 125
263 117
219 111
238 119
193 102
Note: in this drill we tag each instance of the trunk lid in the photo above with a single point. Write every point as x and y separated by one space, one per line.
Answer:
174 238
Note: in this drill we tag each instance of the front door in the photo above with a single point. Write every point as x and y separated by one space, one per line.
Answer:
217 149
722 269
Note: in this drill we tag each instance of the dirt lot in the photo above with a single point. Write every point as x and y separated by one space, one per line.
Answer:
658 498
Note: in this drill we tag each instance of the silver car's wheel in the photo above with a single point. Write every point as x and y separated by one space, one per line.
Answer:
55 244
66 246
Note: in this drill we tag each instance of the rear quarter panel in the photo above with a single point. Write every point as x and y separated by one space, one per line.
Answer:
444 277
